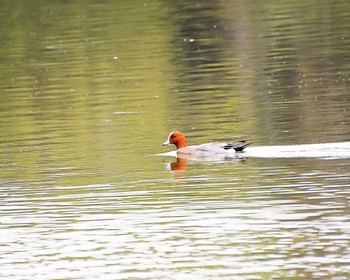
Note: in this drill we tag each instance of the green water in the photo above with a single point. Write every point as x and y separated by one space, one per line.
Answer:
89 90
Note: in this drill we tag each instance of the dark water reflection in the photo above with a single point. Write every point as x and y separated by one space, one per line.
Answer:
90 90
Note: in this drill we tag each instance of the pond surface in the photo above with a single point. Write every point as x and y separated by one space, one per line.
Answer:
91 89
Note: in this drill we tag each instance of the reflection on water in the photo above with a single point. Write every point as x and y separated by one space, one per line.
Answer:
88 91
272 221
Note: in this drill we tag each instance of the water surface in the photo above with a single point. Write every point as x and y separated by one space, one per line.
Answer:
90 90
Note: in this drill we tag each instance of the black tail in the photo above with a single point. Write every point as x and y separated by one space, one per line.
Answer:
238 146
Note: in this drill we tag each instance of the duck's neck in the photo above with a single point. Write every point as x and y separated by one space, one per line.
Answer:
181 144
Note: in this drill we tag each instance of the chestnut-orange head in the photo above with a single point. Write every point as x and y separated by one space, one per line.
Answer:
177 138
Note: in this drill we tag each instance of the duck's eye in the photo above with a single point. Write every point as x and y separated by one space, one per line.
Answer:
173 136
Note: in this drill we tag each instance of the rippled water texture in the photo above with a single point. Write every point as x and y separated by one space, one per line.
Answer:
91 89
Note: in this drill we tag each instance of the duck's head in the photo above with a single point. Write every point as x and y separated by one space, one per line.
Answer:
177 138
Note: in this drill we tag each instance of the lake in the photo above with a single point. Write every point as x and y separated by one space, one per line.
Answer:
91 89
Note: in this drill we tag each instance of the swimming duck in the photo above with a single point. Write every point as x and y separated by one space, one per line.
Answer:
179 140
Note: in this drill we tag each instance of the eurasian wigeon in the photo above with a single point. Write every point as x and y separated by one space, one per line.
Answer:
179 140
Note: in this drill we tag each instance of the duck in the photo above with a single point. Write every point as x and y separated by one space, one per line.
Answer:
178 139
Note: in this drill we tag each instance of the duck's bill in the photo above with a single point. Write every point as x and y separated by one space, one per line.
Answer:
166 143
